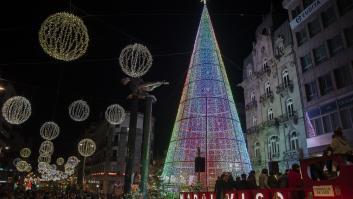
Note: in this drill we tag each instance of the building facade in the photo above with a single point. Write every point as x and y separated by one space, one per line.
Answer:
275 134
106 168
323 38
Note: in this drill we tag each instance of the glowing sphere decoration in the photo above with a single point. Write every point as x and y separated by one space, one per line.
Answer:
86 147
15 161
60 161
79 110
25 152
64 36
72 162
21 166
115 114
44 158
135 60
46 148
29 168
16 110
49 131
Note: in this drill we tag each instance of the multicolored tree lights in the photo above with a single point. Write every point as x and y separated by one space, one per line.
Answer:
207 118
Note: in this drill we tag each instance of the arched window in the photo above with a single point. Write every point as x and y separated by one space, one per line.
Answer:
257 149
289 106
273 147
270 113
254 120
268 88
285 78
252 96
293 140
249 73
265 65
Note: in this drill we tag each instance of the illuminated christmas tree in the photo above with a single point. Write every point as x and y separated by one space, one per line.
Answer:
207 118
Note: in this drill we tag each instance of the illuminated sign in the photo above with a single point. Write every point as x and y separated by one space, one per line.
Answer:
307 12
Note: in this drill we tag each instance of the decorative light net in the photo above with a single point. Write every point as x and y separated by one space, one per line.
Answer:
44 158
25 152
115 114
49 131
16 110
86 147
64 36
60 161
207 118
135 60
21 166
46 148
79 110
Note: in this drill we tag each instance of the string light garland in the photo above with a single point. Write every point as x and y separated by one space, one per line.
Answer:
135 60
115 114
16 110
79 110
21 166
60 161
46 148
86 147
44 158
64 36
25 152
49 131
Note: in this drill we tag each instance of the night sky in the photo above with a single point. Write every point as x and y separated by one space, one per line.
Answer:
167 28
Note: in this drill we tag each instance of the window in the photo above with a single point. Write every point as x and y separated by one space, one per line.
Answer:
268 89
285 78
325 83
114 155
265 65
257 150
294 143
346 119
270 113
344 6
116 140
254 120
311 91
249 73
318 126
314 27
335 121
320 54
328 16
330 122
306 62
273 147
252 96
301 37
296 12
306 3
343 77
327 123
335 44
349 35
289 106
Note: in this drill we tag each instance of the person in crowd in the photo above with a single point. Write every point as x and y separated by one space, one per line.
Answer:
272 180
263 179
327 153
237 182
243 184
283 180
252 180
295 182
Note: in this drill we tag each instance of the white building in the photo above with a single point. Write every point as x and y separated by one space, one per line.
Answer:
274 117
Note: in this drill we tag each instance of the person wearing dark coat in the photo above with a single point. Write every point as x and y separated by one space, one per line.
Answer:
243 184
252 180
272 180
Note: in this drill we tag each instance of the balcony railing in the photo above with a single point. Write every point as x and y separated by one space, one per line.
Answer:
267 97
292 154
254 129
284 88
251 105
289 116
270 123
262 72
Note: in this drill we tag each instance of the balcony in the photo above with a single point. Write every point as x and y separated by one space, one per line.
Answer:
254 129
256 161
289 116
271 123
274 156
292 154
261 73
251 105
267 97
284 88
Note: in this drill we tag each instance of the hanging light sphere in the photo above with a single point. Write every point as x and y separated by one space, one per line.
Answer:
135 60
44 158
49 131
16 110
64 36
86 147
72 161
46 148
21 166
115 114
25 152
79 110
60 161
29 168
15 161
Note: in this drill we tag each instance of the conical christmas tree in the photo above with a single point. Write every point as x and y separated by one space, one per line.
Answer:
207 118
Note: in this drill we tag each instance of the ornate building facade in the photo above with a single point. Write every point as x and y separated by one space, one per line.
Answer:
274 116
